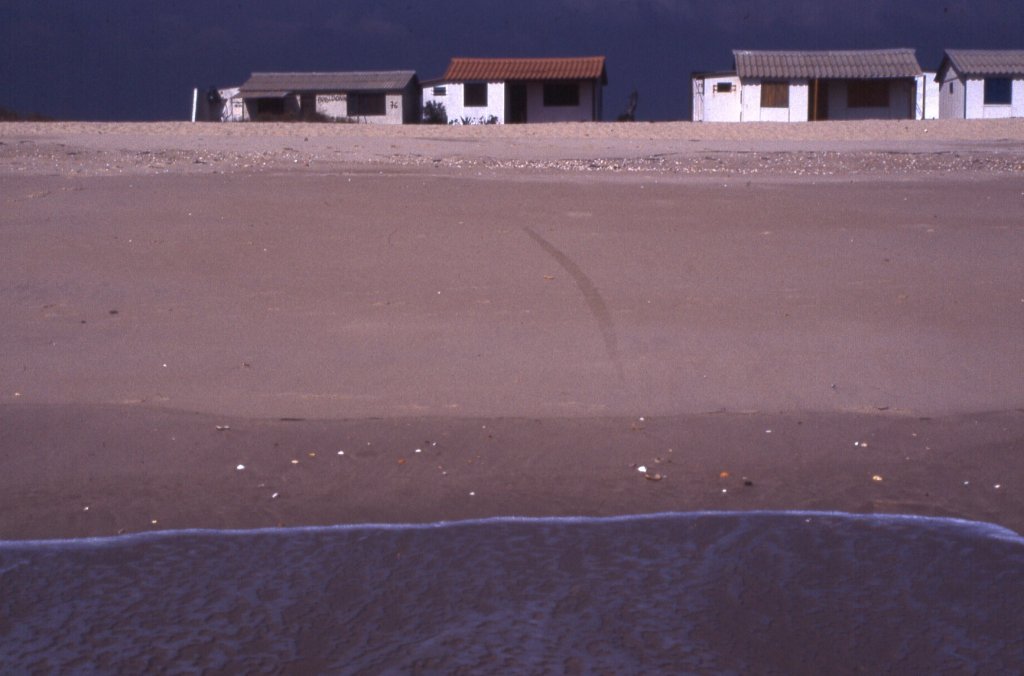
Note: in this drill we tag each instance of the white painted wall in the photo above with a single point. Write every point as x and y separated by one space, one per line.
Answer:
454 103
233 109
927 103
334 106
951 96
961 98
900 97
238 111
753 112
974 105
454 97
697 99
750 101
536 111
744 102
715 106
392 111
799 91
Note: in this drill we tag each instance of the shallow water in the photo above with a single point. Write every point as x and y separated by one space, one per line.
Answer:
708 592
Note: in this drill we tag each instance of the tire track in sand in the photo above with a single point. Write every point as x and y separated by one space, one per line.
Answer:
592 297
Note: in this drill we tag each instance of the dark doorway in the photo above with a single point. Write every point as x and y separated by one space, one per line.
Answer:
817 102
269 108
515 103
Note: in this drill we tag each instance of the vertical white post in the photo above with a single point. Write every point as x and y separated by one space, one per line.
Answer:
195 102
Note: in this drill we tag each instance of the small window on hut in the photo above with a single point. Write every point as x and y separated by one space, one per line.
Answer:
474 94
775 95
998 91
561 94
723 88
440 91
867 94
366 105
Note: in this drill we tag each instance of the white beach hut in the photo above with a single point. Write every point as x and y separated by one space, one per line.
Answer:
373 97
797 86
504 91
979 84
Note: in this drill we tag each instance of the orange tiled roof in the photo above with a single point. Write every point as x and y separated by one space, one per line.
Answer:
503 70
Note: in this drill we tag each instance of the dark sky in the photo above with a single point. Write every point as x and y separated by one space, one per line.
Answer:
140 59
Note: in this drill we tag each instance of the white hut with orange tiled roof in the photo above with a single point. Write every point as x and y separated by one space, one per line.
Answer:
500 91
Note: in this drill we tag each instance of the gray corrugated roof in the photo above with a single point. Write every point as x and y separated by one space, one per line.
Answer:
859 64
982 62
272 84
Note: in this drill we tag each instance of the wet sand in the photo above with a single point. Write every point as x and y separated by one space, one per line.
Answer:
794 322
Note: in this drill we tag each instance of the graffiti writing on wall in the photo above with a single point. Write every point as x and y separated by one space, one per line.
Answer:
334 106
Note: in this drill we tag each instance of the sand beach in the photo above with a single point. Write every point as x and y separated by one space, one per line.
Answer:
251 325
634 397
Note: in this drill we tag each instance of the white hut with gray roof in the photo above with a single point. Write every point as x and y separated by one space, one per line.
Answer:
790 86
981 83
376 97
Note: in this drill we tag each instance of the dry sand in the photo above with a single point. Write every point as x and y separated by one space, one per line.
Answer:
507 320
820 148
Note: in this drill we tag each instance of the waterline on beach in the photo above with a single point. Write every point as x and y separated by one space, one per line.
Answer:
980 527
700 591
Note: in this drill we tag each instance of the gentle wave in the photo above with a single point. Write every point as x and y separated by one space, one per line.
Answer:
978 527
727 592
